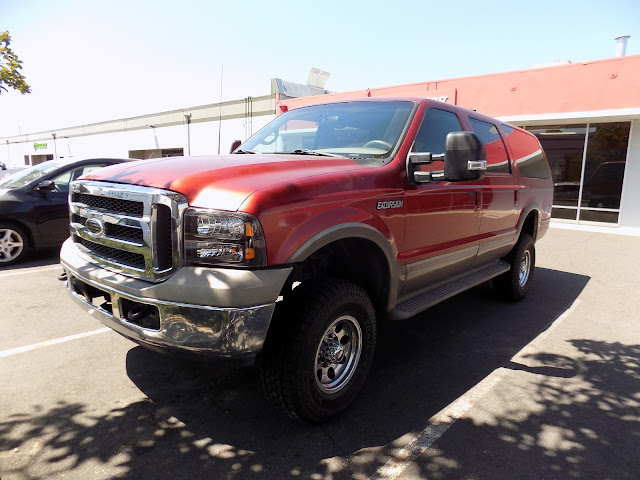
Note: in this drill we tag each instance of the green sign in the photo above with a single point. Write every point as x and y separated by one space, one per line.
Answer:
38 146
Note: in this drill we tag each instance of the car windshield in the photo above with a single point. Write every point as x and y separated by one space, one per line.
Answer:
24 177
359 130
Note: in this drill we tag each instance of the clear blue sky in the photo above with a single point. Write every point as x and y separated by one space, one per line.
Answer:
95 60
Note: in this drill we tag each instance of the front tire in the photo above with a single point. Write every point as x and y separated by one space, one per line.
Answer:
14 245
319 350
514 284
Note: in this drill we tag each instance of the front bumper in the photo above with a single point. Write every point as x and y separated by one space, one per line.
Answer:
204 324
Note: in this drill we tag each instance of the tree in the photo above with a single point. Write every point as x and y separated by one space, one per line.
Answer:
10 65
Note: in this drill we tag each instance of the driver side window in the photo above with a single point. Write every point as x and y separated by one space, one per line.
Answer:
436 125
63 180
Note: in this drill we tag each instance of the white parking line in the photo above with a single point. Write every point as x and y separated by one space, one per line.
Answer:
28 348
441 421
437 425
32 270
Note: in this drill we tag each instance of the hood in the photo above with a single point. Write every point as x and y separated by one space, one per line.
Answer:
221 182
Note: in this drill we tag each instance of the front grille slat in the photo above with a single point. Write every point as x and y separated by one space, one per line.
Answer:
131 229
124 232
129 259
113 205
165 236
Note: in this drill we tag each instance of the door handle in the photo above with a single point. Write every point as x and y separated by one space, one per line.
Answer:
516 197
475 195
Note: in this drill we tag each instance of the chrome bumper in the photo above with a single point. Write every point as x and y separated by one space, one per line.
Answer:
219 332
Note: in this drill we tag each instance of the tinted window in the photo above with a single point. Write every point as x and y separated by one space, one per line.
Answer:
497 159
436 125
527 154
604 165
564 147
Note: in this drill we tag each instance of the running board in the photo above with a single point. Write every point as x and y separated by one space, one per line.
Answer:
420 303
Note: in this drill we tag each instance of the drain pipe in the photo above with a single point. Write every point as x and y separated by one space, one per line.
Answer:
621 46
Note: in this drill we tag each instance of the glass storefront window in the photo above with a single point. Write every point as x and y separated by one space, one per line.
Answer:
564 147
604 165
587 184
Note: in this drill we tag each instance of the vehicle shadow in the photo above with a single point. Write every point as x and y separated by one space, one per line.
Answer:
37 258
203 420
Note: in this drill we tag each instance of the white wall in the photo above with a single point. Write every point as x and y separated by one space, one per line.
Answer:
630 202
204 141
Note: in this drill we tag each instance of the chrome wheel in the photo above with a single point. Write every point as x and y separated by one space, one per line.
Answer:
11 245
525 268
338 354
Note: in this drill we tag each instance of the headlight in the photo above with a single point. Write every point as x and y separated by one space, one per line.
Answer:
222 238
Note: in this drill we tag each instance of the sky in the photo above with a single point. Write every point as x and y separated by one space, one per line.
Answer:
96 60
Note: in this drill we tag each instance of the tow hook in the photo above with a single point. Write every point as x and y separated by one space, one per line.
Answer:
144 315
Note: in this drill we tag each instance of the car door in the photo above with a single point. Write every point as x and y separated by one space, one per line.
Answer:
442 218
499 194
51 208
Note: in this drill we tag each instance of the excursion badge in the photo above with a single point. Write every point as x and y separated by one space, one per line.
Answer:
389 204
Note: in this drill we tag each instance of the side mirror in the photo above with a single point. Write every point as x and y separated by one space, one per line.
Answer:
420 158
234 145
463 157
46 186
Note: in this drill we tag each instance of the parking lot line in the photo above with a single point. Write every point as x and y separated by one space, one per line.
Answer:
437 425
441 421
28 348
32 270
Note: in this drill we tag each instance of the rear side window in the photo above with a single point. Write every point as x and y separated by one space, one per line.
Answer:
527 153
436 125
487 133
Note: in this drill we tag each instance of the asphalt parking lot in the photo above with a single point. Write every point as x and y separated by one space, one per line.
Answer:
475 388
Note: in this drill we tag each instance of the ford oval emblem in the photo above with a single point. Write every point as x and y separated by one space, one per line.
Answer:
95 226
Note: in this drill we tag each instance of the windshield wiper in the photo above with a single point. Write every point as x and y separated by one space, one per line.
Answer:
245 151
316 153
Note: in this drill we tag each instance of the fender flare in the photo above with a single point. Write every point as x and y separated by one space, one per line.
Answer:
525 213
360 231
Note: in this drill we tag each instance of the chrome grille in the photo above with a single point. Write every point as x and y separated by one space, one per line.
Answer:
130 229
114 205
124 232
133 260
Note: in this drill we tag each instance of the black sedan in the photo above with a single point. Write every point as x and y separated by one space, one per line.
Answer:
34 211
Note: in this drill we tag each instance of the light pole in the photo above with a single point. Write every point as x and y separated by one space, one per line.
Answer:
187 117
55 148
155 137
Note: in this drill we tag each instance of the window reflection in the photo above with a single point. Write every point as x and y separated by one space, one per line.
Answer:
564 147
604 166
603 163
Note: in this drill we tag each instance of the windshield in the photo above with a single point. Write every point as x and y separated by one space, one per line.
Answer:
369 129
24 177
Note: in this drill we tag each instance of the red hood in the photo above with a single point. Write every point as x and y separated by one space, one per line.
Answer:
221 182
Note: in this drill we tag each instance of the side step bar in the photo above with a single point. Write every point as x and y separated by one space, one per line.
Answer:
415 305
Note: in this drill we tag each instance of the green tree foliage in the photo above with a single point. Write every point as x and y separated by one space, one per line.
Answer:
10 66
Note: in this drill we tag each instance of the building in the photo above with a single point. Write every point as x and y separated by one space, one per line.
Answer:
586 116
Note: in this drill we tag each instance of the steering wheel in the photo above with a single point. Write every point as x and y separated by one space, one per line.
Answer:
270 141
378 144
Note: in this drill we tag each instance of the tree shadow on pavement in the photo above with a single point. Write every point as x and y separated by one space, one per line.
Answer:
202 420
575 419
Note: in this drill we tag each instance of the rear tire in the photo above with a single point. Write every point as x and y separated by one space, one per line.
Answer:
514 284
319 349
14 244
